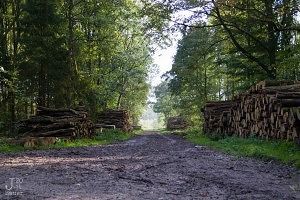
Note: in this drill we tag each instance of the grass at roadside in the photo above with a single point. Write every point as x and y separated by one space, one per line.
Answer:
286 152
107 137
6 146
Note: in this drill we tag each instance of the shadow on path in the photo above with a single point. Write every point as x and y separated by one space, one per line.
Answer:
149 166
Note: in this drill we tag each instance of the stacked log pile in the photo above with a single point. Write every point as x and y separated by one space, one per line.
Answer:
50 122
174 123
119 118
270 109
217 116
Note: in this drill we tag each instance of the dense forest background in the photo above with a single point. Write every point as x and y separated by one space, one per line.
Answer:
228 46
66 53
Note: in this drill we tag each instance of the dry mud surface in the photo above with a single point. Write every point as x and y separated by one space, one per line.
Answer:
150 166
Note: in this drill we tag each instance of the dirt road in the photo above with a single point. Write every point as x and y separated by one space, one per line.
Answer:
151 166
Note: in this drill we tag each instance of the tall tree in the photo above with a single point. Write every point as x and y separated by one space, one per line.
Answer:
255 29
9 43
44 67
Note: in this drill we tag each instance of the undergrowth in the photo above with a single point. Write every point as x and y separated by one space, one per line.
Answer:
286 152
107 137
6 146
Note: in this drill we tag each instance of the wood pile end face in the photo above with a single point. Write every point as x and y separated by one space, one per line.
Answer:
270 110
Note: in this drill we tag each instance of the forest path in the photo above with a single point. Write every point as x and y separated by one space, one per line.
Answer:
150 166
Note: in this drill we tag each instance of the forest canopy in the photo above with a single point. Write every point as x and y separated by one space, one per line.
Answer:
65 53
226 47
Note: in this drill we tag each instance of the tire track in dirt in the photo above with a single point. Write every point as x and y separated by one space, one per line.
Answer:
150 166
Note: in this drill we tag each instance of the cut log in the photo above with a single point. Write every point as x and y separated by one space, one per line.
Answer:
288 95
119 118
51 122
270 110
67 131
176 123
290 102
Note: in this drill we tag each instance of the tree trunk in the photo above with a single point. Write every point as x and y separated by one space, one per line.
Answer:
119 101
71 53
15 40
266 68
272 38
205 84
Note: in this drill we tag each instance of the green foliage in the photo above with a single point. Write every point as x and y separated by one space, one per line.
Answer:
285 152
226 47
43 66
7 147
193 79
69 53
165 102
107 137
